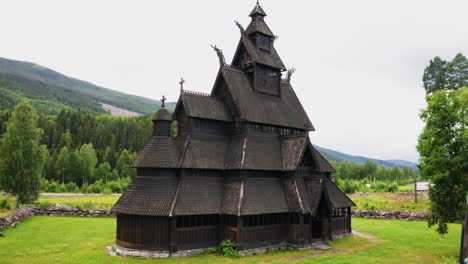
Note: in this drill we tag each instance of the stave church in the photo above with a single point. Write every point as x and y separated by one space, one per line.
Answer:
241 167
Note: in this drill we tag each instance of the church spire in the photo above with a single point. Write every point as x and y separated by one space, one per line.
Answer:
257 11
258 25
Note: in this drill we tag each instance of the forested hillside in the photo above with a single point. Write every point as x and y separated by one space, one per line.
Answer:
84 152
50 92
339 157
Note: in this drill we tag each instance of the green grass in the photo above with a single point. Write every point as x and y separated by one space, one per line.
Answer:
78 199
406 188
390 201
83 240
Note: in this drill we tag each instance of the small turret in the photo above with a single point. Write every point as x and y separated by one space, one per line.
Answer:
162 121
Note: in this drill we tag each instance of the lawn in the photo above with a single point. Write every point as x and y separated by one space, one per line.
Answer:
83 240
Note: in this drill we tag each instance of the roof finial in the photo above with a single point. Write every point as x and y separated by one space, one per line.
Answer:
290 73
258 2
163 99
241 28
181 85
219 52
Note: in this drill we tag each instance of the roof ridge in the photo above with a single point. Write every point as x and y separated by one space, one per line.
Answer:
188 92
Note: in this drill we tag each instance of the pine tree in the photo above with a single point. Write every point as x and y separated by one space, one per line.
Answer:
434 77
457 72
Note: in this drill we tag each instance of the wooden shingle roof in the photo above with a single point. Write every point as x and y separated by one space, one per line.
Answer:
264 196
159 152
258 108
208 107
337 197
271 58
199 195
151 196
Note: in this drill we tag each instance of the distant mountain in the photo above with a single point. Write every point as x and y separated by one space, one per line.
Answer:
50 91
339 156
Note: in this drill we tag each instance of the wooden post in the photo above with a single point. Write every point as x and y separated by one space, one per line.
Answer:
349 220
464 237
301 230
415 190
172 234
239 233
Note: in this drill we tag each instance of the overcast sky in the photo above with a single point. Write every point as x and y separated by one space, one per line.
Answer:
359 63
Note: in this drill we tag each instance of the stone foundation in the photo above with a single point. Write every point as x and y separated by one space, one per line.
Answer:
128 252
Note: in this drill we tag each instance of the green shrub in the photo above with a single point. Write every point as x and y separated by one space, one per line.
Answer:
228 249
369 205
380 187
53 187
393 187
5 204
72 187
45 204
62 188
85 188
106 190
114 186
350 186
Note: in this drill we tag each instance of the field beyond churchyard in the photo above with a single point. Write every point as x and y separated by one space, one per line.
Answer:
83 240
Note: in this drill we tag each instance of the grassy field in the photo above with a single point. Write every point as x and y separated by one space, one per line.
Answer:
102 201
83 240
403 201
406 188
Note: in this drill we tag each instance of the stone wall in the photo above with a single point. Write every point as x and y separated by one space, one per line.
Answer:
25 212
396 215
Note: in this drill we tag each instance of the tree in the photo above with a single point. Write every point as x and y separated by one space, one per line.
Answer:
443 150
441 75
22 158
104 171
61 164
457 72
434 77
87 160
370 169
66 140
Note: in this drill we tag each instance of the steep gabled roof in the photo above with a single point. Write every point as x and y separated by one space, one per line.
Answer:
152 196
257 10
286 111
160 152
258 25
337 197
162 114
322 164
202 106
292 149
271 58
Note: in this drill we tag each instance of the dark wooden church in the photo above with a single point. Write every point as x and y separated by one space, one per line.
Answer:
242 166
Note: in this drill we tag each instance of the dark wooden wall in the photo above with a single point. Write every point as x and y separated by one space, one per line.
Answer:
143 232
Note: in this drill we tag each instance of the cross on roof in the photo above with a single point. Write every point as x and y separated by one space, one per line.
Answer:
163 99
181 84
